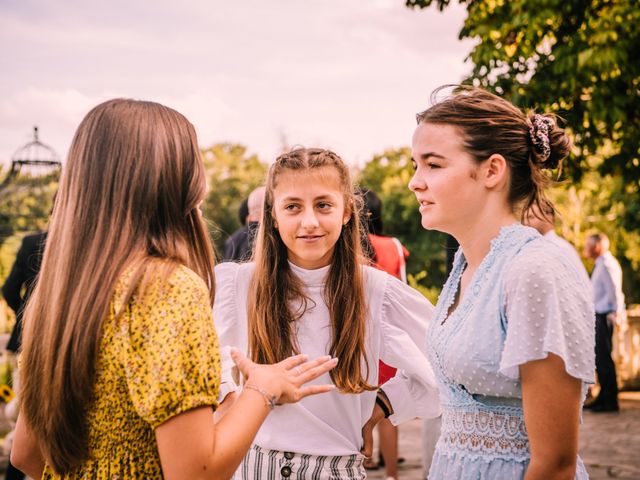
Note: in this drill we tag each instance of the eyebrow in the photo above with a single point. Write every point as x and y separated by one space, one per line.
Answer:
428 155
297 199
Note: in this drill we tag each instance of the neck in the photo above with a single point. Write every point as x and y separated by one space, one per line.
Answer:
475 237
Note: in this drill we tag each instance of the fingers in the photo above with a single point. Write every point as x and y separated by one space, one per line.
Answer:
316 368
294 361
314 390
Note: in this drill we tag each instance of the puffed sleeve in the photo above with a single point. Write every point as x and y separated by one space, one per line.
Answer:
405 316
227 323
172 360
547 310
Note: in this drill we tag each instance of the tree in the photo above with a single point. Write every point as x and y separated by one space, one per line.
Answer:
25 207
232 174
388 175
578 58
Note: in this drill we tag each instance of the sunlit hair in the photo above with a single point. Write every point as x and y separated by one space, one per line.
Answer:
128 199
492 125
274 287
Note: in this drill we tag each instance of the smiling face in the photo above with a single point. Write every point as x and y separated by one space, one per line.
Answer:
309 212
445 179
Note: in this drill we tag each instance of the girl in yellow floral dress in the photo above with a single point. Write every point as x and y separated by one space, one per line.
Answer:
120 357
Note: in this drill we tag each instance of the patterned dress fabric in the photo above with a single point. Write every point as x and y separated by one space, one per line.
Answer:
159 359
527 299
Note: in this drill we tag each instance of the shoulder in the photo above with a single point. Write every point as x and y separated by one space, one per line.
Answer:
376 280
239 234
227 271
542 264
537 256
182 283
231 277
34 241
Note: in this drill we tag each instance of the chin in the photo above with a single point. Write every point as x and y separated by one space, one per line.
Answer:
429 224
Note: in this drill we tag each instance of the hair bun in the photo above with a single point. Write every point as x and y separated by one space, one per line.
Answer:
550 143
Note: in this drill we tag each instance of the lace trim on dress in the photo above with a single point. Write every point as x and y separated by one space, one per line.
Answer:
485 433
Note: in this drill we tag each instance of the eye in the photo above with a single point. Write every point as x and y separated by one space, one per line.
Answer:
324 206
433 165
291 207
414 165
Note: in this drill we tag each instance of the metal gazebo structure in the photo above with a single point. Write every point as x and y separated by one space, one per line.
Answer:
35 158
33 168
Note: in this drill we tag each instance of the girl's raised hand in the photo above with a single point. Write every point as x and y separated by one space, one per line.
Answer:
286 380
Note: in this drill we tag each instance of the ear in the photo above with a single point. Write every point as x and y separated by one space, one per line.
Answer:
346 216
495 171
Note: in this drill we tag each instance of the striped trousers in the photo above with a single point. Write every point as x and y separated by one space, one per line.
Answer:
263 464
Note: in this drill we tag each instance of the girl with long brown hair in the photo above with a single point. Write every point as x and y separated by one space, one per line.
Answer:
308 290
120 361
512 341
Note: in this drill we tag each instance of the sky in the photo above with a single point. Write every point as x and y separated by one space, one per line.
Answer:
342 74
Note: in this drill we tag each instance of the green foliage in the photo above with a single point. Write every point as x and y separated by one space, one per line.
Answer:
576 58
388 175
25 206
232 174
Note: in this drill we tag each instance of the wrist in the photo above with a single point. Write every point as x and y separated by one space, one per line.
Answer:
269 399
261 377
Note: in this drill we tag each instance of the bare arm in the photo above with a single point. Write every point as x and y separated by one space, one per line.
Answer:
192 446
551 401
25 453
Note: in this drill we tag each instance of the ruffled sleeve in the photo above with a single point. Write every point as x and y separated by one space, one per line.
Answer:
172 360
547 310
229 326
405 316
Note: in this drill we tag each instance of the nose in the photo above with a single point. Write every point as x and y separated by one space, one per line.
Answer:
416 183
309 219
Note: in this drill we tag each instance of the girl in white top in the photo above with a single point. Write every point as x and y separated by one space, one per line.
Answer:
308 291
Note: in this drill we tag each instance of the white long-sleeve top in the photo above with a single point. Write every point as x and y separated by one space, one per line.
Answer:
331 423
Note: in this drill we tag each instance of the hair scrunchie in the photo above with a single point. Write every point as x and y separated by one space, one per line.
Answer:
539 131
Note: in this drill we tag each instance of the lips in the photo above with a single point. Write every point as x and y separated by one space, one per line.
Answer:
309 238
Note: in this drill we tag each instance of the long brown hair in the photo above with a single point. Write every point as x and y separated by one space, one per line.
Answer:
490 124
274 286
128 196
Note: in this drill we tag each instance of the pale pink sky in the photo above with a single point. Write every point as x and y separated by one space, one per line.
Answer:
344 74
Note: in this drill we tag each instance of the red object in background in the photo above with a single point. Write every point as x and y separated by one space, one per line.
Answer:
390 256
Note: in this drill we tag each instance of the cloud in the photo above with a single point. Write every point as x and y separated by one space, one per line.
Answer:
348 74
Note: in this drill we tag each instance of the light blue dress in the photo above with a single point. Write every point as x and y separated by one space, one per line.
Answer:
524 301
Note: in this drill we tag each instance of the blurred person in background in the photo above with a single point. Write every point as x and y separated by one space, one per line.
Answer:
606 280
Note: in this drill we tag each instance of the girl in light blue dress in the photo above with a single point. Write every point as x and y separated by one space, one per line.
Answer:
512 338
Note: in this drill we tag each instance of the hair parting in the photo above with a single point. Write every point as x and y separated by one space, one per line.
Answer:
277 298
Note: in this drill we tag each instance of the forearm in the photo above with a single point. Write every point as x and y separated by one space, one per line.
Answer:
235 431
224 406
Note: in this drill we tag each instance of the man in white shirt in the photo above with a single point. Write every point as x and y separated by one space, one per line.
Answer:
606 280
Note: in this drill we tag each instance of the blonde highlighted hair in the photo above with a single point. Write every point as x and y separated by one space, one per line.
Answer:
274 286
128 199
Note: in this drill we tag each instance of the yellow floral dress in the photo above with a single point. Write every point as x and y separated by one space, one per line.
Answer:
161 358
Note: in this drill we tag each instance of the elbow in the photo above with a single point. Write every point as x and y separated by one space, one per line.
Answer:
554 467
